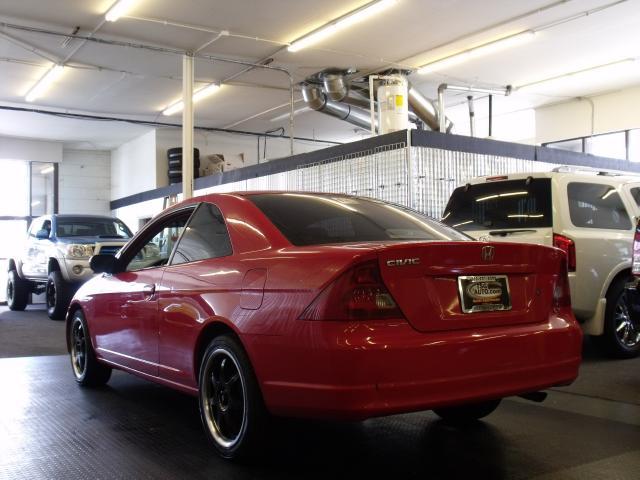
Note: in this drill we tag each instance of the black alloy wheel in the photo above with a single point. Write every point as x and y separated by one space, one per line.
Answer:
231 405
87 370
621 337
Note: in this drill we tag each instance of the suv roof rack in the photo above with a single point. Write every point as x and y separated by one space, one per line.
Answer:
572 168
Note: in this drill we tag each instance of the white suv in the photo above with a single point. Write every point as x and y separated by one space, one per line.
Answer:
588 214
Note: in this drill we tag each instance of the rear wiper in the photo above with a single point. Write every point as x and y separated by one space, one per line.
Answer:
504 233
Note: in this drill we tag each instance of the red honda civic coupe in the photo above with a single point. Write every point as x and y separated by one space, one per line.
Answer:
323 306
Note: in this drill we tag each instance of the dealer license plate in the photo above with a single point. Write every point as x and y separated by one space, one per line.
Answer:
484 293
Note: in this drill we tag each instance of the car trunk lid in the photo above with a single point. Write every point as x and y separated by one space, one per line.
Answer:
457 285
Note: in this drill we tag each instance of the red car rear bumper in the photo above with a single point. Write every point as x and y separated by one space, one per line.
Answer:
360 370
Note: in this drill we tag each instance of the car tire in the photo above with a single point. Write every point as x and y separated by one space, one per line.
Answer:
18 291
231 406
58 294
176 152
621 337
87 370
469 413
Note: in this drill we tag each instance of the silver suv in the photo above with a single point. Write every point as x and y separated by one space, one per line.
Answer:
588 214
55 258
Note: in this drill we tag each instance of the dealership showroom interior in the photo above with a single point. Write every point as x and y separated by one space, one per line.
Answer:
320 239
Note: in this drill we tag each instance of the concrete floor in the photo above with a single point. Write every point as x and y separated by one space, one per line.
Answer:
50 428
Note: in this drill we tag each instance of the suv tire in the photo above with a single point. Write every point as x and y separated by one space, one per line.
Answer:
58 295
18 291
620 327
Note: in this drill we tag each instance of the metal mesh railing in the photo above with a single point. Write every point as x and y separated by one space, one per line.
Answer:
383 172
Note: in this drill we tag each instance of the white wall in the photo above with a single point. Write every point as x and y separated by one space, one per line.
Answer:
611 112
30 150
133 166
85 182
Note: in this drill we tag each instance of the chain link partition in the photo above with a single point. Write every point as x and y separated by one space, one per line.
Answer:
383 173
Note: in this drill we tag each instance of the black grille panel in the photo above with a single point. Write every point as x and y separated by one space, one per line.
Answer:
109 249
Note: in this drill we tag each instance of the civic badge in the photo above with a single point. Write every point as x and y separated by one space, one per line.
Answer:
488 253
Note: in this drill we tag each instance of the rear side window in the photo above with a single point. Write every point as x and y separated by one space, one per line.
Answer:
594 205
307 219
635 193
511 204
205 237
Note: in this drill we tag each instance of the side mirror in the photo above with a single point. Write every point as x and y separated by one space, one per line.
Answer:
103 263
42 234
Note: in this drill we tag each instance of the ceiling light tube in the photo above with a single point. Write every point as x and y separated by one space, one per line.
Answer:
118 9
44 83
578 74
286 115
47 170
341 23
491 91
480 50
197 96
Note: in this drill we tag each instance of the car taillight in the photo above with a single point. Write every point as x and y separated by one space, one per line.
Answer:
357 294
568 247
561 291
635 266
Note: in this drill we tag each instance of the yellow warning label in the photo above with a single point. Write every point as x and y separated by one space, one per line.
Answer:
399 100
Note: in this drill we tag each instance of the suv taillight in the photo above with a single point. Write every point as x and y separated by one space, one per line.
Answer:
635 265
561 291
568 247
357 294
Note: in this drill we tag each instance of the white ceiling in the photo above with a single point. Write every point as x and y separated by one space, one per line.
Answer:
111 80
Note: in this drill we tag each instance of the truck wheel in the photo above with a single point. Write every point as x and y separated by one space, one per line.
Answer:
621 337
58 295
17 291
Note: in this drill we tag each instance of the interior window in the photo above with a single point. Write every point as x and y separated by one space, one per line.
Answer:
159 244
635 193
206 236
594 205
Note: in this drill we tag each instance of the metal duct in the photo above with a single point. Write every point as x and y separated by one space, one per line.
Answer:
426 110
316 99
337 89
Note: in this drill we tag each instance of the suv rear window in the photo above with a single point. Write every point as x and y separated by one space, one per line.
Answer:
594 205
510 204
307 219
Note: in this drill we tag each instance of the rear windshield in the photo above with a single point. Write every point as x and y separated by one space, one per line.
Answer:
91 227
511 204
307 219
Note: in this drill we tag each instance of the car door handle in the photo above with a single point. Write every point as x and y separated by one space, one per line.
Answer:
149 290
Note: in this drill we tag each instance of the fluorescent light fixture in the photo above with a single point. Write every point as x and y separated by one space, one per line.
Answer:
46 170
341 23
605 70
491 91
608 194
197 96
480 50
286 115
118 9
44 83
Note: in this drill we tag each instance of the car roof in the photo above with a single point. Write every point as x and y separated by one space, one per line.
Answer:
619 177
80 215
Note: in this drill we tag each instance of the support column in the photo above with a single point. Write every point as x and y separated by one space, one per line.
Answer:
187 126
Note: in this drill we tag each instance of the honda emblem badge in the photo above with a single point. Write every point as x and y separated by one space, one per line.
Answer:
487 253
